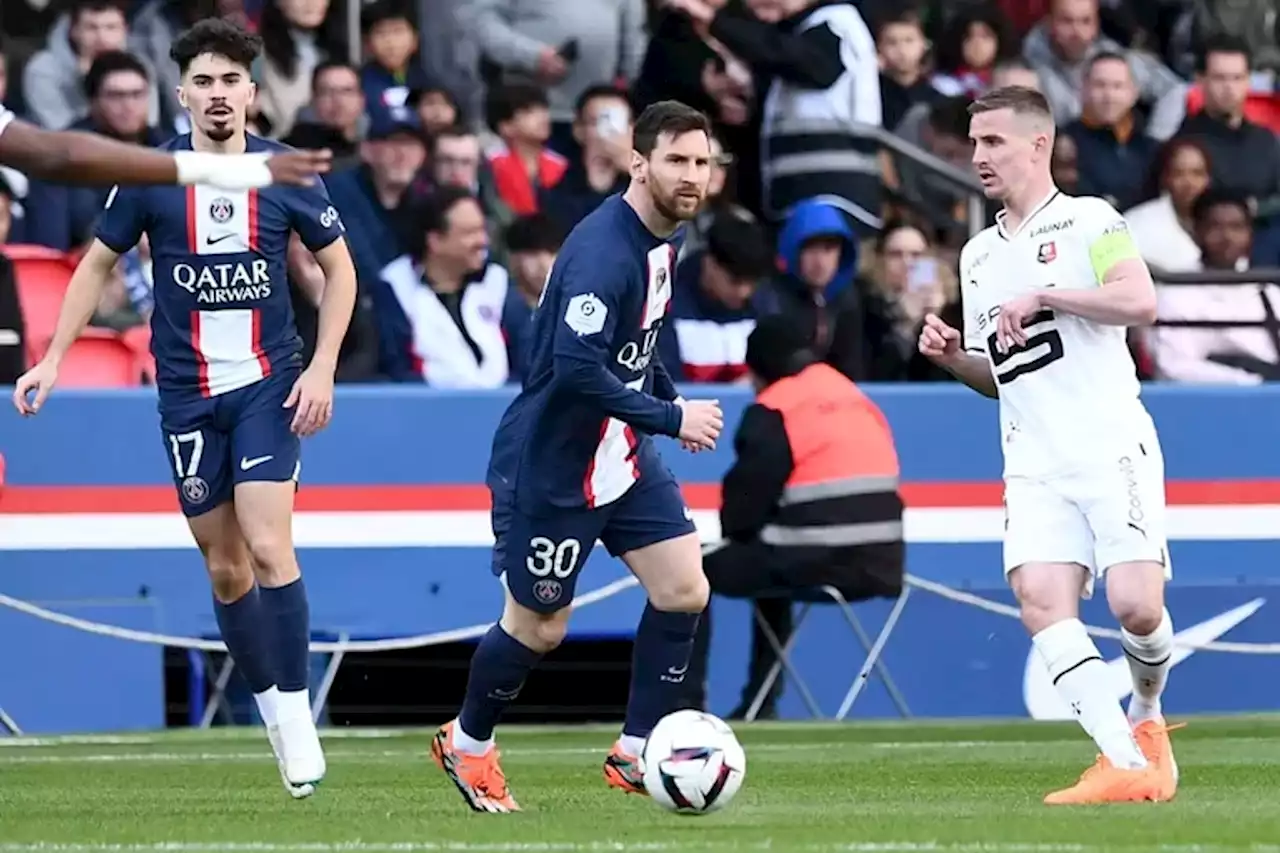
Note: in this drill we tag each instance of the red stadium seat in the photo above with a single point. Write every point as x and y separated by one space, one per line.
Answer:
98 359
42 277
138 339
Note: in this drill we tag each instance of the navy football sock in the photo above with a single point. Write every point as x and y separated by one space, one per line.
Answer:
246 632
660 661
289 615
498 671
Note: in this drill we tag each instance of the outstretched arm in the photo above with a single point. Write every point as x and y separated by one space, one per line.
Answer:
86 158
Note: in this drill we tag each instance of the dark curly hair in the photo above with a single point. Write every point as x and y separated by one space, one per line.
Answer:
219 37
948 54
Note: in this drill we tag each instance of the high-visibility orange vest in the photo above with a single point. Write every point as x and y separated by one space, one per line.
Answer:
843 488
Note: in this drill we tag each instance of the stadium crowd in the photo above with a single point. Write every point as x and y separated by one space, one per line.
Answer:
473 134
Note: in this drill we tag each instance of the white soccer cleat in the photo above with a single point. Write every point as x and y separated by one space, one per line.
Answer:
299 756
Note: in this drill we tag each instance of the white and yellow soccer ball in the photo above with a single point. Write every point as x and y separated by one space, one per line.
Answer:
693 763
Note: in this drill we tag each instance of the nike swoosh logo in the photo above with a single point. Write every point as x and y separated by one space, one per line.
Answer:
246 464
1045 703
213 241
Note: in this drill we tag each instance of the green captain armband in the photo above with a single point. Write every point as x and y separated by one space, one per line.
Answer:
1115 245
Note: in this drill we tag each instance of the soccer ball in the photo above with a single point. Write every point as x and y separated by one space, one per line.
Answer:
693 763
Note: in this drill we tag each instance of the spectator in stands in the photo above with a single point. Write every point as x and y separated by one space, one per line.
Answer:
903 49
436 107
532 243
359 353
115 310
152 30
455 160
1065 164
1164 227
393 69
974 40
713 304
904 281
1238 355
1060 47
811 500
816 64
602 129
1242 155
523 165
53 82
819 255
1112 147
440 309
369 196
336 114
294 43
562 46
1015 72
118 89
942 129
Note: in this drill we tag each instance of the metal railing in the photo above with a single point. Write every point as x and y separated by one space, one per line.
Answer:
960 179
1269 322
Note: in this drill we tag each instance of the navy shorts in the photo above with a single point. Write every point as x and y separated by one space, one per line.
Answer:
541 555
212 443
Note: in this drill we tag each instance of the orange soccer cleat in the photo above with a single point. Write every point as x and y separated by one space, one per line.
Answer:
1153 740
1106 783
624 772
479 778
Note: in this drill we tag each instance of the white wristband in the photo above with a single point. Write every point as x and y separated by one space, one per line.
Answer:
230 172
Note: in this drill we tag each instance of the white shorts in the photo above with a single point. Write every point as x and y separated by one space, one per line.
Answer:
1097 517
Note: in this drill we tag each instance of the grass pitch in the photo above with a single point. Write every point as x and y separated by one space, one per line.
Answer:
875 787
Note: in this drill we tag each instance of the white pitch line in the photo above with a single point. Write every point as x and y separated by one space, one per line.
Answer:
415 754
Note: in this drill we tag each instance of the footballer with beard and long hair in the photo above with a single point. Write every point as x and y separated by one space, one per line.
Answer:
573 461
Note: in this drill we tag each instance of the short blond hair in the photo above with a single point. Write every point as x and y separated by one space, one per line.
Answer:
1021 100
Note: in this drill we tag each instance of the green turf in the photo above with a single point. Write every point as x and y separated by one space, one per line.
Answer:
855 787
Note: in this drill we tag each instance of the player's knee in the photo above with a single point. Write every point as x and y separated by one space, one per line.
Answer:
1138 616
230 575
1042 598
687 593
541 632
273 559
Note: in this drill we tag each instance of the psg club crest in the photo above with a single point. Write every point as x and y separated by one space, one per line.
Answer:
1048 251
195 490
548 591
221 210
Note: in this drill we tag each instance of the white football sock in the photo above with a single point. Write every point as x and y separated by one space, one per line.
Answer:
1077 670
632 745
293 705
1149 661
267 701
464 742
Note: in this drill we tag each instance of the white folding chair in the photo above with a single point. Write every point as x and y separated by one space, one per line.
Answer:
874 650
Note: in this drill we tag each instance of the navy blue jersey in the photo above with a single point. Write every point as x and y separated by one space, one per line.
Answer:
223 318
578 432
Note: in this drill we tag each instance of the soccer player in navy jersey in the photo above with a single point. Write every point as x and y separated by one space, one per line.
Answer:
573 461
234 397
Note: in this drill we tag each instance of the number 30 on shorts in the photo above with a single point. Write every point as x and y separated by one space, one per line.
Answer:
552 559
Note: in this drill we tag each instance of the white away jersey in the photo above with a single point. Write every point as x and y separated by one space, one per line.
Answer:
1072 390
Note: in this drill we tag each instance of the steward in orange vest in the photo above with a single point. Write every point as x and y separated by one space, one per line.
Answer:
812 498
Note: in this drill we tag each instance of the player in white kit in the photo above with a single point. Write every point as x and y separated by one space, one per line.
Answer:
1048 292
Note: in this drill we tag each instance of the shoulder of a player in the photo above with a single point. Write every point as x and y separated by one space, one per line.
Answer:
598 260
261 145
976 250
1091 212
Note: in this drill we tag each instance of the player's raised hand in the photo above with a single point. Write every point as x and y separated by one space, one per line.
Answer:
39 379
312 394
938 341
1013 316
701 424
299 168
